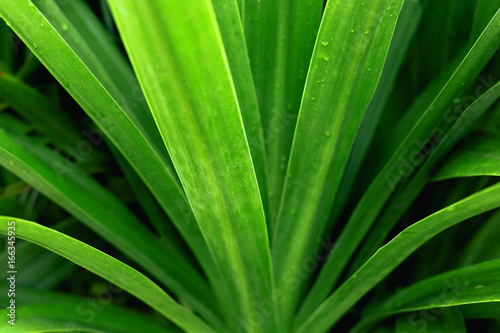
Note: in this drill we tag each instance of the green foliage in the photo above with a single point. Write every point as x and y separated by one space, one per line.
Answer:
250 165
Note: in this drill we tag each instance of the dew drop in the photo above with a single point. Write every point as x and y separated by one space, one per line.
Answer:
369 69
328 134
327 59
352 30
479 286
313 98
324 43
42 24
65 26
11 162
456 100
389 8
367 31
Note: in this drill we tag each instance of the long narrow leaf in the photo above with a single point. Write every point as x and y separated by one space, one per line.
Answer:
393 253
107 267
479 155
179 57
233 37
468 285
347 63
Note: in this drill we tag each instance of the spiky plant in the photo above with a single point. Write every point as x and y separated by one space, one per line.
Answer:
250 165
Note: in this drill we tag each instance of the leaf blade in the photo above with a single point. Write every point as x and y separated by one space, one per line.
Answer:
105 266
191 95
393 253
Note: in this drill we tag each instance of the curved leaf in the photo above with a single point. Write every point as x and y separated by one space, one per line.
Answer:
472 284
108 268
479 155
393 253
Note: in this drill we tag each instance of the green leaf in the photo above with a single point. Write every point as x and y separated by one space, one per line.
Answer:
89 202
407 25
472 284
62 317
403 197
478 155
347 62
280 36
38 268
108 268
46 43
52 310
410 155
232 34
445 321
393 253
186 79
